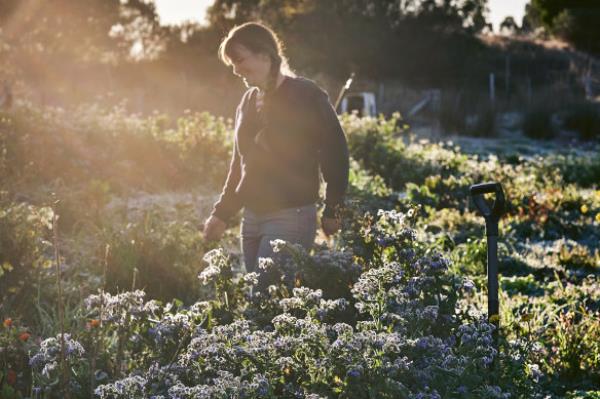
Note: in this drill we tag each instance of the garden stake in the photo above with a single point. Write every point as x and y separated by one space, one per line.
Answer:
492 216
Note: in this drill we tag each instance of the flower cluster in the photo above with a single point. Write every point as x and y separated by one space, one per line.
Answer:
170 328
331 325
217 261
476 341
46 360
120 307
130 387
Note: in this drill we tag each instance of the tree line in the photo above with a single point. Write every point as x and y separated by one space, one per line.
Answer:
88 46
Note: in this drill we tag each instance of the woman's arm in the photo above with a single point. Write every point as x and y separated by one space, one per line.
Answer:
229 203
333 154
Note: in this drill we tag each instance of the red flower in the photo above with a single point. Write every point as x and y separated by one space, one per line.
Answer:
24 336
11 377
93 324
7 322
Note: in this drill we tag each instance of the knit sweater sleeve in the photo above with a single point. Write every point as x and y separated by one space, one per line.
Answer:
229 202
333 153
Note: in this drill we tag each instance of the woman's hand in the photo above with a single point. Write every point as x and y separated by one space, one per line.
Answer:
330 225
214 228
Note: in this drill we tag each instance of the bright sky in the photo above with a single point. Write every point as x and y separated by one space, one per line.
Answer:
500 9
173 12
177 11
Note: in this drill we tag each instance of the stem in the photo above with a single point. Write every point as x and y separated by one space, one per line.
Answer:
135 272
105 271
61 316
93 364
98 344
120 331
178 350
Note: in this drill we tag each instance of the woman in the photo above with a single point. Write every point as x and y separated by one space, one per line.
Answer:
285 130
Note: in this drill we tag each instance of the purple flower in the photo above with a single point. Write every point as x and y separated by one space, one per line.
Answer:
355 372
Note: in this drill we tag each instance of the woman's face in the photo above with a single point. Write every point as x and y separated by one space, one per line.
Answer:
252 67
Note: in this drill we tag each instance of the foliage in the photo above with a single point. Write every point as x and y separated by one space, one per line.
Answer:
404 336
15 343
357 31
584 118
575 169
154 252
25 249
575 21
378 313
55 36
537 123
128 149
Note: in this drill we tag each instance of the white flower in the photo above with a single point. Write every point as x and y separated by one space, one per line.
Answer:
208 274
277 245
212 255
251 278
265 263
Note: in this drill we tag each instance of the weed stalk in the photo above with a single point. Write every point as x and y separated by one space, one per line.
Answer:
61 309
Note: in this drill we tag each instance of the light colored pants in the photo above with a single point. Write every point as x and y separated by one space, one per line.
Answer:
295 225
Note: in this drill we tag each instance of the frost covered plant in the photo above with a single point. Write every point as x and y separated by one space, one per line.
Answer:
306 301
265 263
229 293
407 341
384 236
332 271
278 245
170 328
476 342
154 383
331 325
414 297
46 363
50 351
120 307
130 387
218 262
392 229
492 392
303 298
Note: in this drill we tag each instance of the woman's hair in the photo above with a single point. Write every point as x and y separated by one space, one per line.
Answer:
260 39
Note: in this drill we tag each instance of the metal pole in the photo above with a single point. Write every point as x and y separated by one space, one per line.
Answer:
343 91
492 215
492 280
492 84
507 77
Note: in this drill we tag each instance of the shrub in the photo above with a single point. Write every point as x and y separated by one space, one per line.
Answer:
162 252
483 123
404 338
125 151
583 117
537 122
452 114
578 168
16 342
379 314
25 249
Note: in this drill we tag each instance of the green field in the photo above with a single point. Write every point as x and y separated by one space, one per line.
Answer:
100 220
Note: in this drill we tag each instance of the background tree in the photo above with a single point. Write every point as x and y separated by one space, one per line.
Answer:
51 48
532 19
509 25
372 37
577 21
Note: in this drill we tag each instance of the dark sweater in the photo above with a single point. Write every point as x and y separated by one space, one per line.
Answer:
299 132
